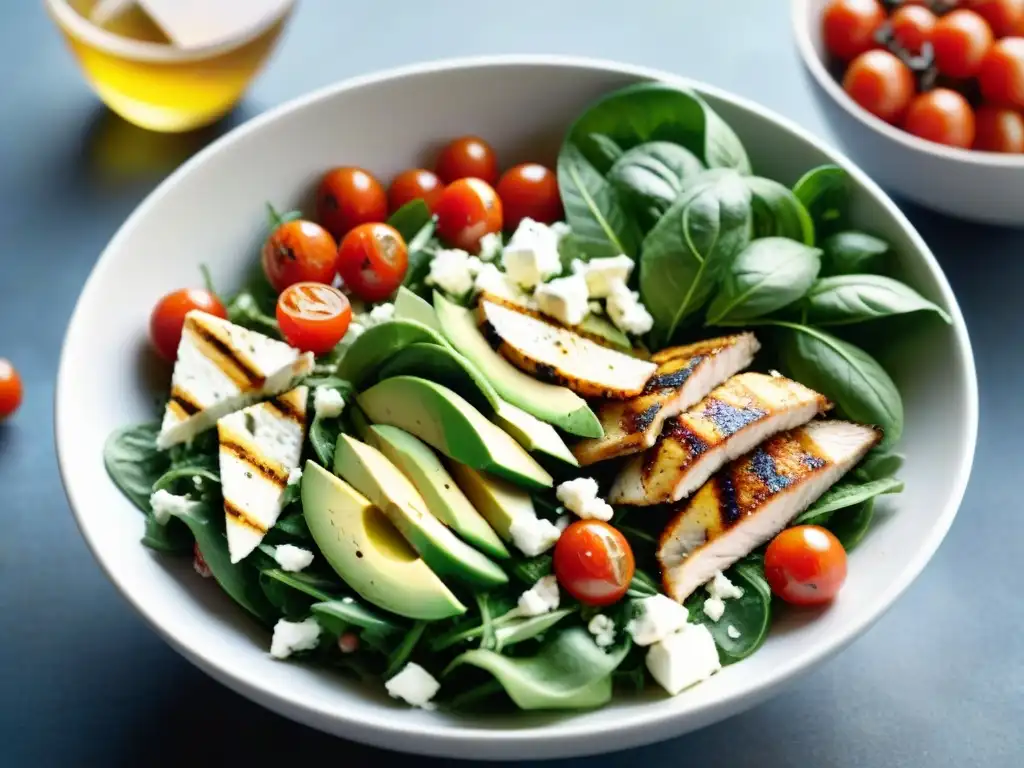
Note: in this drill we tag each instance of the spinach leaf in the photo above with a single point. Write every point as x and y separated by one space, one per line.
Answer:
527 628
324 431
879 464
767 275
196 475
172 538
593 210
530 571
134 462
254 306
642 585
291 527
410 219
319 588
851 525
850 253
778 212
846 299
846 494
825 193
749 614
348 611
405 649
290 603
650 177
609 150
690 247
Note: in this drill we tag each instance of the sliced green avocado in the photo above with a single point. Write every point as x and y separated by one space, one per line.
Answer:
447 421
497 500
369 472
409 306
600 329
380 342
368 552
532 433
548 402
444 499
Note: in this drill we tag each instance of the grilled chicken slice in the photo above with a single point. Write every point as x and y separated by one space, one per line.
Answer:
724 425
684 376
754 498
559 356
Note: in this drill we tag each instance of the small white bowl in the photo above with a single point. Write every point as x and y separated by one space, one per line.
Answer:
211 211
987 187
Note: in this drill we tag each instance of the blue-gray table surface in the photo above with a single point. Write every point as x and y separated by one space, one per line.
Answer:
937 682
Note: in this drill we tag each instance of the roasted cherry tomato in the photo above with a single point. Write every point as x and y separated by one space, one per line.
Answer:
1002 73
960 39
299 252
805 565
1002 16
593 562
348 197
997 129
10 389
881 83
415 184
912 27
313 316
168 317
465 157
469 209
849 27
372 261
942 116
529 191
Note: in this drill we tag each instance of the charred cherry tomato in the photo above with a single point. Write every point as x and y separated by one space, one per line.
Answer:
1002 73
415 184
960 39
10 389
942 116
348 197
997 129
805 565
912 27
1003 16
372 261
881 83
849 27
593 562
299 252
529 191
313 316
168 317
468 210
465 157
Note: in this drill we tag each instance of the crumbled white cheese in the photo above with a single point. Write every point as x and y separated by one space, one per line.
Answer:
382 313
295 476
603 629
490 246
683 658
355 330
559 229
579 496
732 632
452 270
562 522
493 281
659 617
596 308
327 402
291 636
603 274
564 298
722 588
413 685
166 505
531 256
533 536
292 558
541 598
626 311
714 607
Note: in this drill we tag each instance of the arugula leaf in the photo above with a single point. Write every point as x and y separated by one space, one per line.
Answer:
649 178
750 614
846 299
825 193
846 494
134 462
849 253
411 219
778 212
599 223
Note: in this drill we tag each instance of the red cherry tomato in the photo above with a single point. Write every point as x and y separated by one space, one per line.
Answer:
313 316
168 317
805 565
10 389
372 261
529 191
881 83
1002 73
593 562
998 130
468 210
299 252
849 27
465 157
415 184
1002 16
942 116
348 197
960 39
912 27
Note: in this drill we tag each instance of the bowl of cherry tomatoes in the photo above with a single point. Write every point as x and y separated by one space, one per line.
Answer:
926 95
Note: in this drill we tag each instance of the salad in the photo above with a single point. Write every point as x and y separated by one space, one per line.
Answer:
534 438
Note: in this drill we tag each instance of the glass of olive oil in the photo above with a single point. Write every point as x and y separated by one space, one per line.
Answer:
136 71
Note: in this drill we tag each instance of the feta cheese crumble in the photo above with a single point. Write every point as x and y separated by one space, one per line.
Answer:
603 629
292 636
732 632
719 590
413 685
490 246
382 313
562 522
602 275
660 616
292 558
328 403
166 505
626 311
541 598
452 270
531 256
533 536
579 496
683 658
714 608
564 298
492 280
295 476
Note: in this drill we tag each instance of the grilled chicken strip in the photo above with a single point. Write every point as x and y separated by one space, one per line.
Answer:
724 425
684 376
754 498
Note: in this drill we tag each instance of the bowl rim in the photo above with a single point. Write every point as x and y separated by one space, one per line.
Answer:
799 12
569 736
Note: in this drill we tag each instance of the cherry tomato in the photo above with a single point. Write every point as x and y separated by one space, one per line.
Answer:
593 562
372 261
168 317
10 389
998 130
881 83
199 562
529 191
466 157
1002 16
942 116
1002 73
912 27
313 316
468 210
348 197
960 39
849 27
415 184
299 252
805 565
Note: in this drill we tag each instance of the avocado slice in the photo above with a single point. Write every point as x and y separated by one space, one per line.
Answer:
369 472
368 552
445 420
532 433
409 306
548 402
380 342
599 329
499 501
444 499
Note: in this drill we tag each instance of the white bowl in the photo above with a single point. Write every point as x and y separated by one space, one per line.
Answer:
211 211
981 186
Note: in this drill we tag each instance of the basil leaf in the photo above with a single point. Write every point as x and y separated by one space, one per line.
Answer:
767 275
825 193
878 464
850 525
848 253
846 299
749 614
593 210
778 212
846 494
134 462
410 219
650 176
